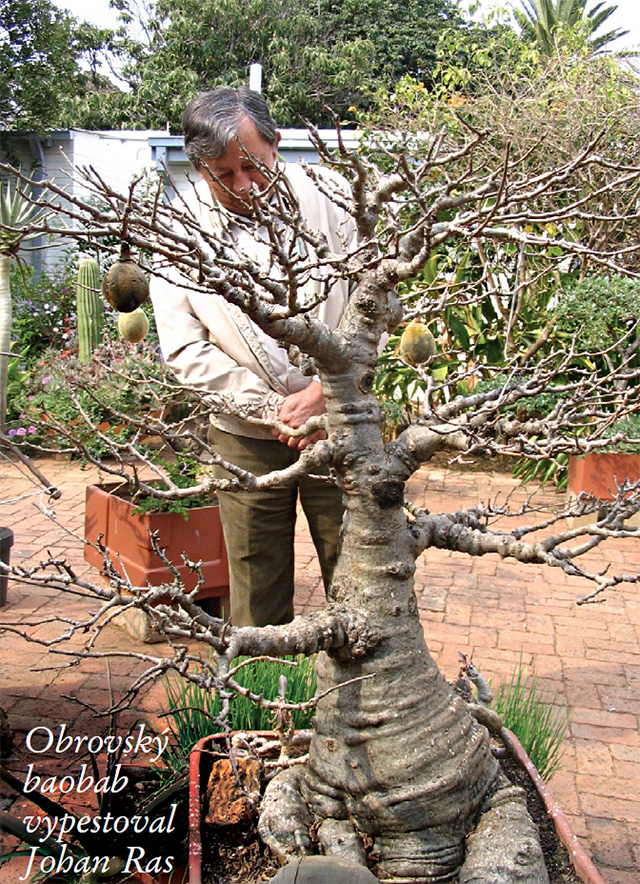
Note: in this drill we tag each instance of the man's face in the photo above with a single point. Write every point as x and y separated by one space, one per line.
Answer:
232 176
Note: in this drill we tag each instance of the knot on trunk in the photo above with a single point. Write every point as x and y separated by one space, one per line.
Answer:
360 636
389 493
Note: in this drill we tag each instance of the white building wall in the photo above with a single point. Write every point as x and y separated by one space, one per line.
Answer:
119 156
116 156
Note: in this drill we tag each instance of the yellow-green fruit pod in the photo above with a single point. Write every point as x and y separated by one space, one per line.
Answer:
125 286
133 326
417 344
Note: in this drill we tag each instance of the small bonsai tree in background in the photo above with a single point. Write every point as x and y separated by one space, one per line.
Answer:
398 763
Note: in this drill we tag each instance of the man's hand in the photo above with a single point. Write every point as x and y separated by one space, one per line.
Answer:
296 409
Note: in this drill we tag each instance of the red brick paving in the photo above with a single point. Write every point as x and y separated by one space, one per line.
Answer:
491 609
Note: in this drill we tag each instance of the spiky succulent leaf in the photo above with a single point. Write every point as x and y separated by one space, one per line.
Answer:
17 212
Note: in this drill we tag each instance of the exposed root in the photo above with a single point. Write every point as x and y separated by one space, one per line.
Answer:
504 848
285 818
339 838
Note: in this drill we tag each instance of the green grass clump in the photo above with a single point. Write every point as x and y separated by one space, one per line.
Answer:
191 708
537 723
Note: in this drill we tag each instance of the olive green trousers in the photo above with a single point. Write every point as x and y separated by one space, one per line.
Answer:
259 529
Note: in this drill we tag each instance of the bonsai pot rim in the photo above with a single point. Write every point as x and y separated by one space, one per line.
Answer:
580 860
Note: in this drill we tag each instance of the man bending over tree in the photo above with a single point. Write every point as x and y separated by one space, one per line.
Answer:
231 140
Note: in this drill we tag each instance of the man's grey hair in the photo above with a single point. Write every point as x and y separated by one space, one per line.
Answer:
212 120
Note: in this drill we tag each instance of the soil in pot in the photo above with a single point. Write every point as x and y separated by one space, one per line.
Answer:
555 853
234 854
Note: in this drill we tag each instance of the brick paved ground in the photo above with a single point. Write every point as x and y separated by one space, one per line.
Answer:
588 656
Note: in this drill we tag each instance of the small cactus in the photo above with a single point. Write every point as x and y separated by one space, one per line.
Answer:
90 308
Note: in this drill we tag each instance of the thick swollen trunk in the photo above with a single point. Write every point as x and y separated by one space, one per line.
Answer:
396 754
397 766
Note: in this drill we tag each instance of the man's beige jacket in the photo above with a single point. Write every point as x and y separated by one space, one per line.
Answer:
211 345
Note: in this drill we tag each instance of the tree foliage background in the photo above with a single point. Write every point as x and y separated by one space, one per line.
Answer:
314 56
48 64
547 22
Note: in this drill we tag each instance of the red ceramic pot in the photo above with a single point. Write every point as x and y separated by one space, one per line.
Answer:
126 537
201 760
598 473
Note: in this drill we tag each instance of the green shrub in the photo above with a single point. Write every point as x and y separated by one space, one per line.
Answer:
537 723
16 380
598 312
122 384
44 310
192 709
546 470
630 426
183 471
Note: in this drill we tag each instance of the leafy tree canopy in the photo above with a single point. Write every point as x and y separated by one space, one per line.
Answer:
404 35
548 21
535 113
313 55
41 50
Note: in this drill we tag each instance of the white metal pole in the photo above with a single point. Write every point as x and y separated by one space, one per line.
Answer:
255 77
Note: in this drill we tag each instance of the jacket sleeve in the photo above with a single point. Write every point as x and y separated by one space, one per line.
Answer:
195 360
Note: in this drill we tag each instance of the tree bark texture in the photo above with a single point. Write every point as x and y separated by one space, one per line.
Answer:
396 755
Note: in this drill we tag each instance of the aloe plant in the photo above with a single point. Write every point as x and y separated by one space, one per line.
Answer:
17 213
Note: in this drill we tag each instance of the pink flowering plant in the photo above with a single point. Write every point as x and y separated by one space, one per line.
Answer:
92 408
44 310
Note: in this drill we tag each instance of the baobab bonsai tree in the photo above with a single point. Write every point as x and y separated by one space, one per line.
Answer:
398 764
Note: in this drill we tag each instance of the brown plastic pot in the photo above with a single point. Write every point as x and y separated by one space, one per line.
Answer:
580 860
201 760
198 776
598 473
126 537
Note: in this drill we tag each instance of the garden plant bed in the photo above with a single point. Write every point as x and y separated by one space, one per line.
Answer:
234 854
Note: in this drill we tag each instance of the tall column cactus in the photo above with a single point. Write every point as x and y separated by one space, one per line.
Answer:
90 308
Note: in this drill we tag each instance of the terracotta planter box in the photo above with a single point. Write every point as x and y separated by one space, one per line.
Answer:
126 537
597 474
201 760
